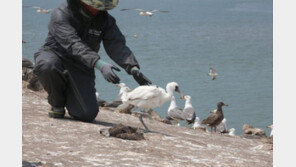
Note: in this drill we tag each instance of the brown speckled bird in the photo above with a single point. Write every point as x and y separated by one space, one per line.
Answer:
216 118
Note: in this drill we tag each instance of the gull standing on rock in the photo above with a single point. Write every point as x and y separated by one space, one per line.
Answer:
117 101
215 118
231 132
175 113
197 125
147 97
145 12
213 73
188 111
271 132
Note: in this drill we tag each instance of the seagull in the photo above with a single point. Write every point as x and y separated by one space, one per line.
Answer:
101 103
147 97
222 126
175 113
145 12
231 132
213 73
250 130
197 125
117 101
188 111
271 133
40 10
215 118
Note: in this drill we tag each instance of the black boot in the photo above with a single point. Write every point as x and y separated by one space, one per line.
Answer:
56 112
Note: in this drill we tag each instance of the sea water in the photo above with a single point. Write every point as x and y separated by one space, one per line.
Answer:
232 36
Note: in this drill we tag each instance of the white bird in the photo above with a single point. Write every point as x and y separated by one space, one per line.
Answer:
175 113
271 132
147 97
213 73
231 132
188 111
40 10
97 95
145 12
196 123
117 102
222 128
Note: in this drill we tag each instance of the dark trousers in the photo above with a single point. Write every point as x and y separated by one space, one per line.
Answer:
68 84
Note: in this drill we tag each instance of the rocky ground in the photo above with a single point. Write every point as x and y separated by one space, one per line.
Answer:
65 142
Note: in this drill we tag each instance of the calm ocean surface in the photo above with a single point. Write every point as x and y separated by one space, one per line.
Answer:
232 36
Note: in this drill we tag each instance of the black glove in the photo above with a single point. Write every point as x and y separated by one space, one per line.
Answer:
140 77
107 71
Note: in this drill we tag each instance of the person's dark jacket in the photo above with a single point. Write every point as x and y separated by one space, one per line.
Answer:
72 37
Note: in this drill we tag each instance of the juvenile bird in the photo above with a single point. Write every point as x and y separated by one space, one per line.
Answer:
147 97
215 118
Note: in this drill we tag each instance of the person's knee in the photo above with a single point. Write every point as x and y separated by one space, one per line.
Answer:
45 67
88 116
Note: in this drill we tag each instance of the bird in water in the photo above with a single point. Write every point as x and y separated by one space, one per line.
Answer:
213 73
146 12
39 9
215 118
147 97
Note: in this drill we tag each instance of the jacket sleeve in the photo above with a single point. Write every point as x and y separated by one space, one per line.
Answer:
66 35
115 47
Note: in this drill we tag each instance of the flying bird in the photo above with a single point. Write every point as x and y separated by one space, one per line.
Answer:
39 9
215 118
213 73
146 12
147 97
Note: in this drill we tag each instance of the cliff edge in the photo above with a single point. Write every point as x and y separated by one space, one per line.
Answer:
70 143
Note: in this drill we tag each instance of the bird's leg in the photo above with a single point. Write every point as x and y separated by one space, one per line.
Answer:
149 113
215 129
141 120
211 129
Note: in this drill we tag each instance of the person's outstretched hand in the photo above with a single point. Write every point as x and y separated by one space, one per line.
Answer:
140 77
107 71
